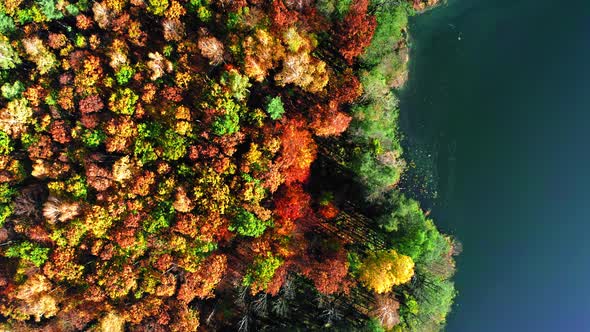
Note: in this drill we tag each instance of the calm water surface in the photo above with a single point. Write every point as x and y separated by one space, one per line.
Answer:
498 108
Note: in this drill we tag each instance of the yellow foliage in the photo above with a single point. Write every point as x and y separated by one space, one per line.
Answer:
382 270
263 51
15 117
112 322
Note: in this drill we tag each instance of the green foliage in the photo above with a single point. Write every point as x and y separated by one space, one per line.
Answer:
80 41
354 263
236 18
152 135
12 91
6 146
48 9
160 217
275 108
5 212
124 74
6 24
262 271
173 144
428 305
144 150
376 176
412 233
6 193
201 8
227 124
246 224
334 8
93 138
390 25
29 251
373 325
72 9
77 187
237 83
8 56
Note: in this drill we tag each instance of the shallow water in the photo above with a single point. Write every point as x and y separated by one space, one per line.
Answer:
498 107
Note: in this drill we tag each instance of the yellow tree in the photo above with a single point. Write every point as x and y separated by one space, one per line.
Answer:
382 270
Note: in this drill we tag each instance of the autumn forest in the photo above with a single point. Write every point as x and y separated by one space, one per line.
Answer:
211 165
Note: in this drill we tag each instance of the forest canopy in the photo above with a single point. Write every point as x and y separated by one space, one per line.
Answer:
204 165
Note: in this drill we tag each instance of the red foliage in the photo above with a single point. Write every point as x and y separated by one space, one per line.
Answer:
355 31
328 211
346 89
329 272
281 15
292 202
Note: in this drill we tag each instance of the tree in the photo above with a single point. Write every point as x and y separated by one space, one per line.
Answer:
386 311
381 270
275 108
261 272
210 47
201 283
391 22
28 251
246 224
12 91
292 202
356 31
33 299
15 118
298 151
9 57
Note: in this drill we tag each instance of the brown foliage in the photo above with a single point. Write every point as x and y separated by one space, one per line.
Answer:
200 284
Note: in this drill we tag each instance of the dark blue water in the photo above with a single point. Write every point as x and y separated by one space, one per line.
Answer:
499 98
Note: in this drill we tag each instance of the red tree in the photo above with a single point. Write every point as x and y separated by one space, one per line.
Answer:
292 203
355 31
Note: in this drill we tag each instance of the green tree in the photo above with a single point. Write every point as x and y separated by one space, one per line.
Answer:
237 83
334 8
93 138
173 144
275 108
160 217
124 74
5 212
6 24
245 223
29 251
261 272
391 22
12 91
8 56
6 146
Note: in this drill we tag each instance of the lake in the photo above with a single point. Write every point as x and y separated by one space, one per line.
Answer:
497 115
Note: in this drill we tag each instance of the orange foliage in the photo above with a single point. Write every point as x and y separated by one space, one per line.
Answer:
200 284
298 151
292 202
